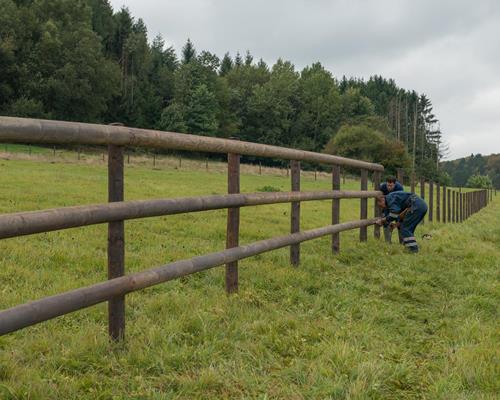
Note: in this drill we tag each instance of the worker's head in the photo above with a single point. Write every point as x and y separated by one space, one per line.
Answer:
391 183
381 201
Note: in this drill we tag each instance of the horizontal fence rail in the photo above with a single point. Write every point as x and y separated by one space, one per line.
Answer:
26 223
25 130
50 307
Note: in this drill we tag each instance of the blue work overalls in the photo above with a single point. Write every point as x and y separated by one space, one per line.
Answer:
397 202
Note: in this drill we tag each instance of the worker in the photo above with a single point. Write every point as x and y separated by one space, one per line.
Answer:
405 210
391 184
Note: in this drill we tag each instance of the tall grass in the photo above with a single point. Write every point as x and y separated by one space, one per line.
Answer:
371 322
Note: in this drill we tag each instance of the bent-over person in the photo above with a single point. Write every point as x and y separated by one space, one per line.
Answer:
405 210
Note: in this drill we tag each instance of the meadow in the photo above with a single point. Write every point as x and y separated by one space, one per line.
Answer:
369 323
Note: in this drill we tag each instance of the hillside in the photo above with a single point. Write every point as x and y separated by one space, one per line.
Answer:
372 322
462 168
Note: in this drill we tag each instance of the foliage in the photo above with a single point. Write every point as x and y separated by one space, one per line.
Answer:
365 143
84 61
268 188
462 169
479 182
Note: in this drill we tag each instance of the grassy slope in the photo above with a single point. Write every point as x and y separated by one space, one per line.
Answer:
372 322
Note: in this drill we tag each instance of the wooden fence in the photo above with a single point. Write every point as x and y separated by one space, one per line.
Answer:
448 205
116 138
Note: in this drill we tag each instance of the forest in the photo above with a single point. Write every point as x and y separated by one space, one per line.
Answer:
474 171
80 60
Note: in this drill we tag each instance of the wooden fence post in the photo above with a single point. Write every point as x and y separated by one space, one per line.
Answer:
461 208
431 200
377 211
233 221
116 243
335 208
453 206
422 192
363 231
449 205
116 240
438 202
400 175
295 212
445 190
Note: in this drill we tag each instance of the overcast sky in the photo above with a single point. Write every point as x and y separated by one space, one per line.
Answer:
449 50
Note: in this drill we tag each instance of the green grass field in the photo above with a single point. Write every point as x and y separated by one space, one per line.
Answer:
369 323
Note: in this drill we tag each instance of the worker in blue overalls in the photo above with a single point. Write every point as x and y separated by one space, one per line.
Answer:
405 210
390 185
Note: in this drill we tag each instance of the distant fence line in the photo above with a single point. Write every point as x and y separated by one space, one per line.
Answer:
116 137
448 205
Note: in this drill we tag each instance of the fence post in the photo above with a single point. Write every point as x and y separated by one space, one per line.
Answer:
260 168
461 208
431 200
400 175
335 208
233 220
295 212
438 202
376 209
449 205
453 206
422 192
445 190
116 243
469 203
412 182
363 231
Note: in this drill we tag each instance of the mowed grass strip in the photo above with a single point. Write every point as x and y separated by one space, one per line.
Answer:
371 322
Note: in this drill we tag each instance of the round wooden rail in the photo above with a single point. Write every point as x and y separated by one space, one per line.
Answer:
26 130
26 223
24 315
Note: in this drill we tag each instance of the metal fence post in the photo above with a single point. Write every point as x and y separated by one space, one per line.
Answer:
295 212
116 243
363 231
376 209
335 208
233 220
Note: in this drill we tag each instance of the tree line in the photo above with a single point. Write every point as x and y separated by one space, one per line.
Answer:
475 171
80 60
